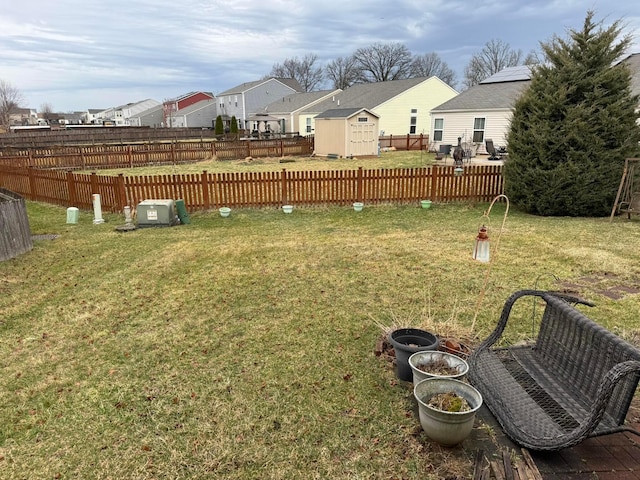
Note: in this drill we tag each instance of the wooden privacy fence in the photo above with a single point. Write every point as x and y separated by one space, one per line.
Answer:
99 135
405 142
87 157
15 234
205 191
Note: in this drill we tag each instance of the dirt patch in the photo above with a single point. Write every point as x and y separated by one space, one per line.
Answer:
606 284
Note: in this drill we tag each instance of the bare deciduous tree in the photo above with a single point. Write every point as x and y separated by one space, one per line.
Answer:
46 112
495 56
382 62
429 65
343 72
10 99
304 70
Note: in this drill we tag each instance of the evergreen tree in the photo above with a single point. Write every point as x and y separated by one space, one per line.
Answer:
234 125
574 126
219 129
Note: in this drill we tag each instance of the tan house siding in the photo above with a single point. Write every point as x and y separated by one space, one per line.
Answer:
395 114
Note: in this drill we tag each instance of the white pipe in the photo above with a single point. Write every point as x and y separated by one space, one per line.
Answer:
97 209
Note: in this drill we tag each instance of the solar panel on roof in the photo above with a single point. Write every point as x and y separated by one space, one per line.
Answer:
510 74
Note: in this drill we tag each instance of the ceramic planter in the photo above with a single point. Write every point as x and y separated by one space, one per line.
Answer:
224 211
446 428
436 357
425 203
287 208
406 342
358 206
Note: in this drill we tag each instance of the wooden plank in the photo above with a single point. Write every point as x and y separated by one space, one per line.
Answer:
498 470
531 464
508 468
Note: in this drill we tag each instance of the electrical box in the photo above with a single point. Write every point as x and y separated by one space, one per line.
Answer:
156 213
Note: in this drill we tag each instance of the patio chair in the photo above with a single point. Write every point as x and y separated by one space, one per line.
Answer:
443 152
494 154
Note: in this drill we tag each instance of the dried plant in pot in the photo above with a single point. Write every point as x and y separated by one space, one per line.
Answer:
447 409
436 364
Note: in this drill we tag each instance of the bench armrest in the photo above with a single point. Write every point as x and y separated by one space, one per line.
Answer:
506 311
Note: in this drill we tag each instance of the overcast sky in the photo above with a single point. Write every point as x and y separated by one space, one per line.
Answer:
79 54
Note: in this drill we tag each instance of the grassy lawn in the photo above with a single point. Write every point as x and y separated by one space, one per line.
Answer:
393 159
242 347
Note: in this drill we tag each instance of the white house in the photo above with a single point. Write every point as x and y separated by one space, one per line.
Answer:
481 112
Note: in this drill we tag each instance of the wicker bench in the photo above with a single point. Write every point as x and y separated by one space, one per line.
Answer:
576 381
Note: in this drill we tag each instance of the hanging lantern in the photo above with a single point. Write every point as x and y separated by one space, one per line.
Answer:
481 245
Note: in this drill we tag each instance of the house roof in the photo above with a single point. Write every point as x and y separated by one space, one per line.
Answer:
486 96
510 74
194 107
367 95
343 112
297 100
289 82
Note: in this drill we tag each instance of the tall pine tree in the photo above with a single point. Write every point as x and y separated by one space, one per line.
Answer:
574 126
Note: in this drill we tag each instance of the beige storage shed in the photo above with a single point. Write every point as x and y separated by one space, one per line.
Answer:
346 132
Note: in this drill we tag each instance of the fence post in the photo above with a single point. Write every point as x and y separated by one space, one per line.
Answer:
421 138
71 186
281 147
359 185
204 184
121 193
248 148
408 136
32 183
130 156
284 197
94 183
30 157
173 152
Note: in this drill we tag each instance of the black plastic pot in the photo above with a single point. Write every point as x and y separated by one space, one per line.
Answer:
406 342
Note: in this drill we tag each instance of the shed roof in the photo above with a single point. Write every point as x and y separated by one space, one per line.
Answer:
633 62
343 113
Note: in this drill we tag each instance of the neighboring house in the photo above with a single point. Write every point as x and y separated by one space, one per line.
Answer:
200 114
633 62
346 132
402 106
121 115
92 115
286 111
153 117
250 98
171 108
483 111
23 116
71 118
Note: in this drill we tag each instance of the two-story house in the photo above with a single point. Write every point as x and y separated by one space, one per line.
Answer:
250 98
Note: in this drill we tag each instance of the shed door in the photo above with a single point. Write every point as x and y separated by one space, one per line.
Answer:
362 138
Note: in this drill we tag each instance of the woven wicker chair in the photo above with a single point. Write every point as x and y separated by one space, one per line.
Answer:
576 381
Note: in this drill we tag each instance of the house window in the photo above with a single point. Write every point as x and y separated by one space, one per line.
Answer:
438 128
413 121
363 119
478 130
309 125
412 127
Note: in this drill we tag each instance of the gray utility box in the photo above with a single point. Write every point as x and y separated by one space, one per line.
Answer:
157 213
